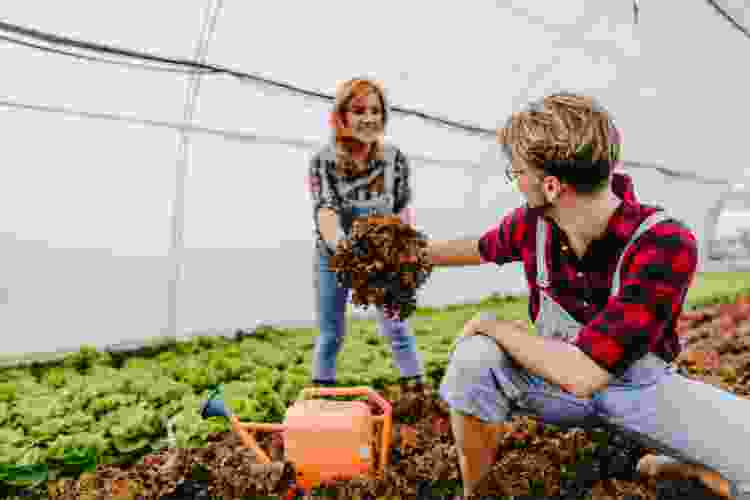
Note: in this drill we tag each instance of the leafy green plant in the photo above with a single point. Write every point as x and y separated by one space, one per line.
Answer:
84 359
85 402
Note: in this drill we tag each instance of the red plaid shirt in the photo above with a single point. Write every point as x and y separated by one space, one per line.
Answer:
655 277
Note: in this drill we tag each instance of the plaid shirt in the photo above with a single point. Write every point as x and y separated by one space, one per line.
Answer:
655 277
330 198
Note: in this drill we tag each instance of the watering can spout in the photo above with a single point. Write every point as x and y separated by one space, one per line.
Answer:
214 406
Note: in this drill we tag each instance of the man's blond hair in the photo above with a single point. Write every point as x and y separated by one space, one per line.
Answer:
561 127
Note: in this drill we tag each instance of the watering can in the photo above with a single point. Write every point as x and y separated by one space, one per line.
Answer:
325 440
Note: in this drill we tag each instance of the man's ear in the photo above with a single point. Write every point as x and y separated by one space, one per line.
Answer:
552 188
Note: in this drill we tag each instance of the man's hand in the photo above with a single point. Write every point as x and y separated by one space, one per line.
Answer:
408 259
478 324
556 361
486 323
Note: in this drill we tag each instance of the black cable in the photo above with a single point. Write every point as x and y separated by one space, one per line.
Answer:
213 69
96 47
729 18
99 59
673 173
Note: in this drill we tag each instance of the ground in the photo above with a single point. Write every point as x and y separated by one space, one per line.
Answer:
532 459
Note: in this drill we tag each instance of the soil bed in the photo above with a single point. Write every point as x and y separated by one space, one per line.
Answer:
533 459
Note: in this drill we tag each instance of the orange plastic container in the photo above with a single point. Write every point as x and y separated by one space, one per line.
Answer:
325 439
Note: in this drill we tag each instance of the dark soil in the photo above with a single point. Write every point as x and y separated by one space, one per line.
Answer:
530 458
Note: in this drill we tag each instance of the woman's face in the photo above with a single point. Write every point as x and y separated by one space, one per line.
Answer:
365 117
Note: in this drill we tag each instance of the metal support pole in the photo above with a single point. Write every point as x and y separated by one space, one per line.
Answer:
182 171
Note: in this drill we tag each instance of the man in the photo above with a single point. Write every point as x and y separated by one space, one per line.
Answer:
607 279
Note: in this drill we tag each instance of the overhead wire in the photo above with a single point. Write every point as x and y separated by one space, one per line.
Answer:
214 69
722 12
232 135
673 173
97 47
248 137
147 67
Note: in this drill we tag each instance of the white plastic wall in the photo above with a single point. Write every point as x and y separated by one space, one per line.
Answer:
85 229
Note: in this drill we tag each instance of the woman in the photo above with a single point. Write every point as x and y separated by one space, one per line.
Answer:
355 176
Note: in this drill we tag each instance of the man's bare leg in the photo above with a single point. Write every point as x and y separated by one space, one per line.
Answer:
666 467
476 443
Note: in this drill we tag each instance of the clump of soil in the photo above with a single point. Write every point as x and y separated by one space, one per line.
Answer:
384 262
533 458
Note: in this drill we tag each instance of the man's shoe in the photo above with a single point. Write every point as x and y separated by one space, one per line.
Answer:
668 467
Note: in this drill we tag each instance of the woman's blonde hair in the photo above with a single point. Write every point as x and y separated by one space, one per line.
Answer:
342 134
564 128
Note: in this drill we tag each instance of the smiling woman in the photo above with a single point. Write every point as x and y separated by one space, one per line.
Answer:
357 175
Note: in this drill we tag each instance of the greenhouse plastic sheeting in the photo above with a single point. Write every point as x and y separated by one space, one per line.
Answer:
85 228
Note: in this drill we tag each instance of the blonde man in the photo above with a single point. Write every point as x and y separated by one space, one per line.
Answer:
607 277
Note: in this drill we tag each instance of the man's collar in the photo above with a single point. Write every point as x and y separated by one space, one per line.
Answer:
622 187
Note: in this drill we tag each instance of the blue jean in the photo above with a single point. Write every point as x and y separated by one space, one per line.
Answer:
331 305
688 420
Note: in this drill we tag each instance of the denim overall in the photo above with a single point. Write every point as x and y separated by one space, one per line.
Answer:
687 420
331 299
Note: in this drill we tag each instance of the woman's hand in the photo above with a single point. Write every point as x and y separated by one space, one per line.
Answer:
329 225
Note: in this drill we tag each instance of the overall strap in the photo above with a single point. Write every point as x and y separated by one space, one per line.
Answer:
389 154
647 224
324 157
541 252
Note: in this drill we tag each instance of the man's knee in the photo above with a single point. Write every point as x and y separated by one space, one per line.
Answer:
469 385
475 355
472 361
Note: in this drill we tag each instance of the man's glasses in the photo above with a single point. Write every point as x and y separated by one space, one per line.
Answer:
510 174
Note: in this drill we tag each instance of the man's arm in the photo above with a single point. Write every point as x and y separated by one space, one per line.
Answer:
655 281
558 362
453 253
500 244
654 285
